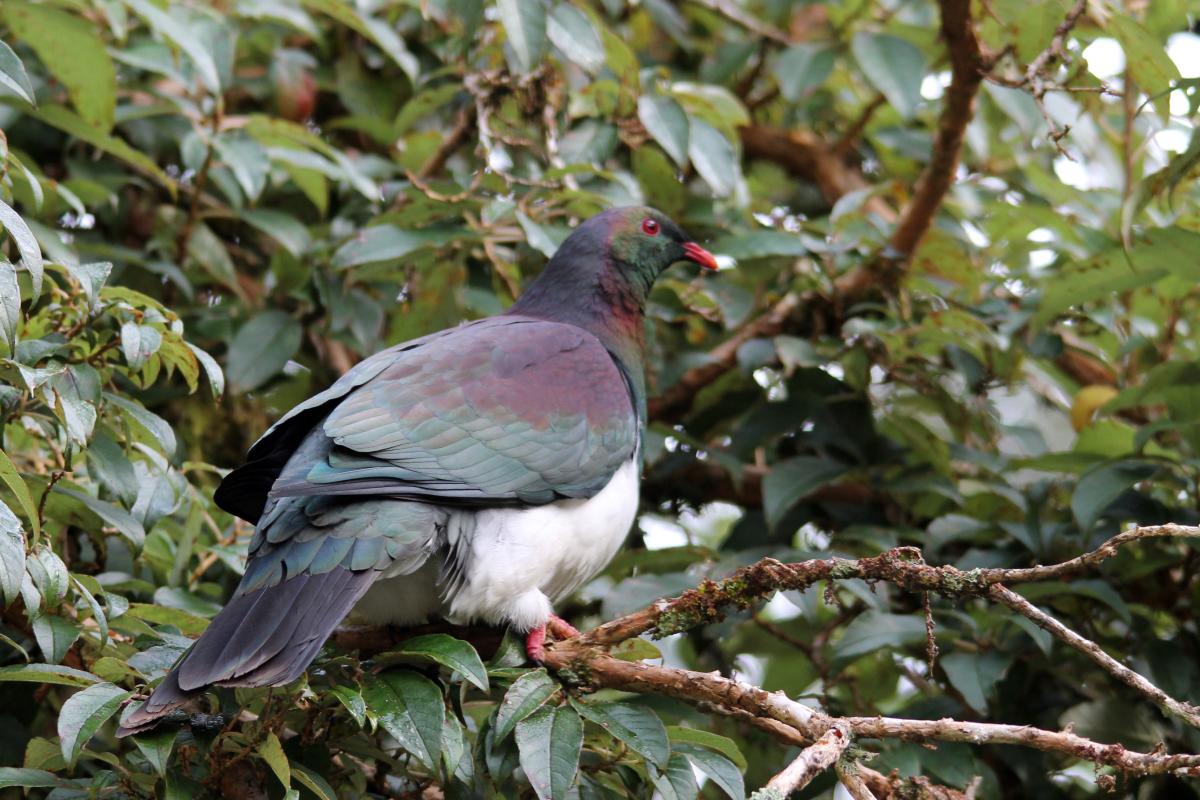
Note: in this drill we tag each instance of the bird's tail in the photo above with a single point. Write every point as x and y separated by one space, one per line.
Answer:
266 637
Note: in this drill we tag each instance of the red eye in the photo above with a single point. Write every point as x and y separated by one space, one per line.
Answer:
650 227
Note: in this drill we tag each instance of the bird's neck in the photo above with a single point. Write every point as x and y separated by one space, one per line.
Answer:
600 303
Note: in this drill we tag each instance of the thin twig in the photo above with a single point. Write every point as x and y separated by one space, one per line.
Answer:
1169 705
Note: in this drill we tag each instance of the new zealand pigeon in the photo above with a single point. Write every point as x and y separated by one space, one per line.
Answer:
479 474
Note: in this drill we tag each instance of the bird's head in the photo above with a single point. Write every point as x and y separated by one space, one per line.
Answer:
647 240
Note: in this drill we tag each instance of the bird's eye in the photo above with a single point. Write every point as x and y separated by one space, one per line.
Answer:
650 227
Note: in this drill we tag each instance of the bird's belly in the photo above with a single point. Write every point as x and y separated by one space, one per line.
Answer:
518 561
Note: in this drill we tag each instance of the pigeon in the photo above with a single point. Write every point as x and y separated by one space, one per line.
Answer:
479 474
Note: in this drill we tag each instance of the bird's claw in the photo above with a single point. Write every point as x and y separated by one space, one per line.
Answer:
535 640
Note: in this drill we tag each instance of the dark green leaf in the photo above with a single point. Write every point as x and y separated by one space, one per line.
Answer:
12 75
74 54
549 743
83 714
15 483
802 69
525 25
525 696
409 707
788 482
636 726
54 636
678 782
47 673
718 768
261 349
449 652
26 778
126 525
894 66
1100 486
713 157
667 123
713 741
875 630
27 246
155 425
156 747
381 243
570 30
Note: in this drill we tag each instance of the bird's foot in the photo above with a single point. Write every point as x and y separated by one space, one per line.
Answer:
535 640
561 628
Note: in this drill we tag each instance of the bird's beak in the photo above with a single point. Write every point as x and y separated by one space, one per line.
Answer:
696 253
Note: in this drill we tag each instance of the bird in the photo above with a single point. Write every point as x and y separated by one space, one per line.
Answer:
479 474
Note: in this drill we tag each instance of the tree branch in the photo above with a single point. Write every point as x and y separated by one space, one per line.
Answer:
812 761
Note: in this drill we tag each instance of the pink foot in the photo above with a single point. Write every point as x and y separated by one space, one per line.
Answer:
535 644
535 640
561 628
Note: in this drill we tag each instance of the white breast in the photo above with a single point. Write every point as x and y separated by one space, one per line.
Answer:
520 561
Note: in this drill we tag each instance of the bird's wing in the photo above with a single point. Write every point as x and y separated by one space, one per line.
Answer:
522 411
244 491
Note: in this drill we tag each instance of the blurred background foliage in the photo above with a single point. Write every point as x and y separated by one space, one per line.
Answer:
210 210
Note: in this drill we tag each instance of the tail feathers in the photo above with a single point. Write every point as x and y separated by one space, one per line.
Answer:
165 699
262 638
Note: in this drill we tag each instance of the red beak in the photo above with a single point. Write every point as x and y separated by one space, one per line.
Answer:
696 253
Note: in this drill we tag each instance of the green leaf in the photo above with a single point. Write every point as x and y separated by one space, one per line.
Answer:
70 123
261 349
975 674
637 726
875 630
12 555
186 40
352 700
27 778
156 747
10 305
381 243
893 66
409 706
54 636
802 69
1147 60
283 228
1100 486
27 246
713 741
723 772
678 782
1107 273
47 673
13 77
14 481
666 121
790 481
155 425
524 23
271 751
525 696
570 30
376 30
69 47
216 376
549 743
125 523
139 343
313 782
92 278
760 244
83 714
449 652
247 160
713 157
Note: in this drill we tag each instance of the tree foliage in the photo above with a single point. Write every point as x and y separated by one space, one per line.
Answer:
966 239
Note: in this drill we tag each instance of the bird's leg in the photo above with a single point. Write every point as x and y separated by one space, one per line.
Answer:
535 640
535 644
